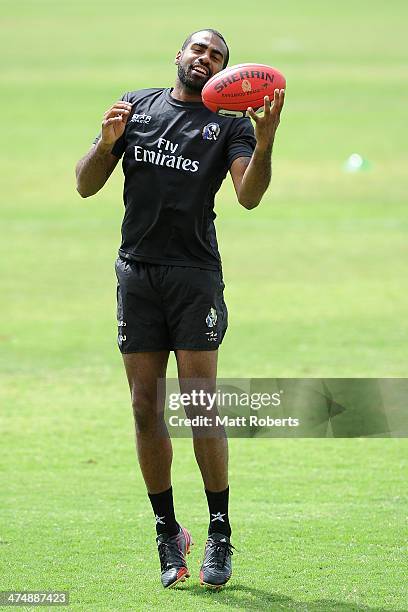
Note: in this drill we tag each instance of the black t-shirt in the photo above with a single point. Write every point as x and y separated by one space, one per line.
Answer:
175 157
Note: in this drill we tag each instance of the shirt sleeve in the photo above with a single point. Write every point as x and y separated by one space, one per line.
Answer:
242 140
119 146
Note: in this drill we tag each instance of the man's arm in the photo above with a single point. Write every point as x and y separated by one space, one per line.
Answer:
252 175
93 170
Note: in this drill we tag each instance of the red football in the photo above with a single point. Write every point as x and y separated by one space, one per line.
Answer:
232 90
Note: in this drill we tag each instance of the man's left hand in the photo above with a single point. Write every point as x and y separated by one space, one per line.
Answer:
267 124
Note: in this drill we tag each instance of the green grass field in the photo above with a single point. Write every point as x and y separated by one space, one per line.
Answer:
316 286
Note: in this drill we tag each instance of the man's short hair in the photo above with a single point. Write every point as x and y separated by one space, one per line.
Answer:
186 42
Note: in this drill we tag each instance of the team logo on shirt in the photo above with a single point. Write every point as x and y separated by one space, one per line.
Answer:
211 131
211 319
140 118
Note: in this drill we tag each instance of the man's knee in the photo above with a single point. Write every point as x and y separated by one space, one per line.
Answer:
146 411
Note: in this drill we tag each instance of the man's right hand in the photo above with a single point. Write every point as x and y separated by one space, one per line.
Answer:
93 170
114 122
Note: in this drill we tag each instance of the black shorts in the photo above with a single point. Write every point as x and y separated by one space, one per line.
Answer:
163 307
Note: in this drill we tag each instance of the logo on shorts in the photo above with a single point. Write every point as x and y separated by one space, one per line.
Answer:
121 334
211 131
211 319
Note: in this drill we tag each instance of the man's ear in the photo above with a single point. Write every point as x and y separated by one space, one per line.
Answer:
178 56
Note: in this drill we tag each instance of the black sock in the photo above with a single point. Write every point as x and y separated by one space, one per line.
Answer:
162 504
218 507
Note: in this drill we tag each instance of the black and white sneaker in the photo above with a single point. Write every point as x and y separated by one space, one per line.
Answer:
216 569
172 551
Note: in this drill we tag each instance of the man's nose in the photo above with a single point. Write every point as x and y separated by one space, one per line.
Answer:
204 59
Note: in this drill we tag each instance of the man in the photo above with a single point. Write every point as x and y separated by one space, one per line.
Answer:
170 285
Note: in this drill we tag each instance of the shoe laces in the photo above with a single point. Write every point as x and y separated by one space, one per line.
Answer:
169 555
219 553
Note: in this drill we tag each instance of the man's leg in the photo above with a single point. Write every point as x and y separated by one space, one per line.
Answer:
153 445
211 453
154 449
212 457
155 455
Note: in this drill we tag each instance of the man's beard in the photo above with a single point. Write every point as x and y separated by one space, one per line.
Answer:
190 82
